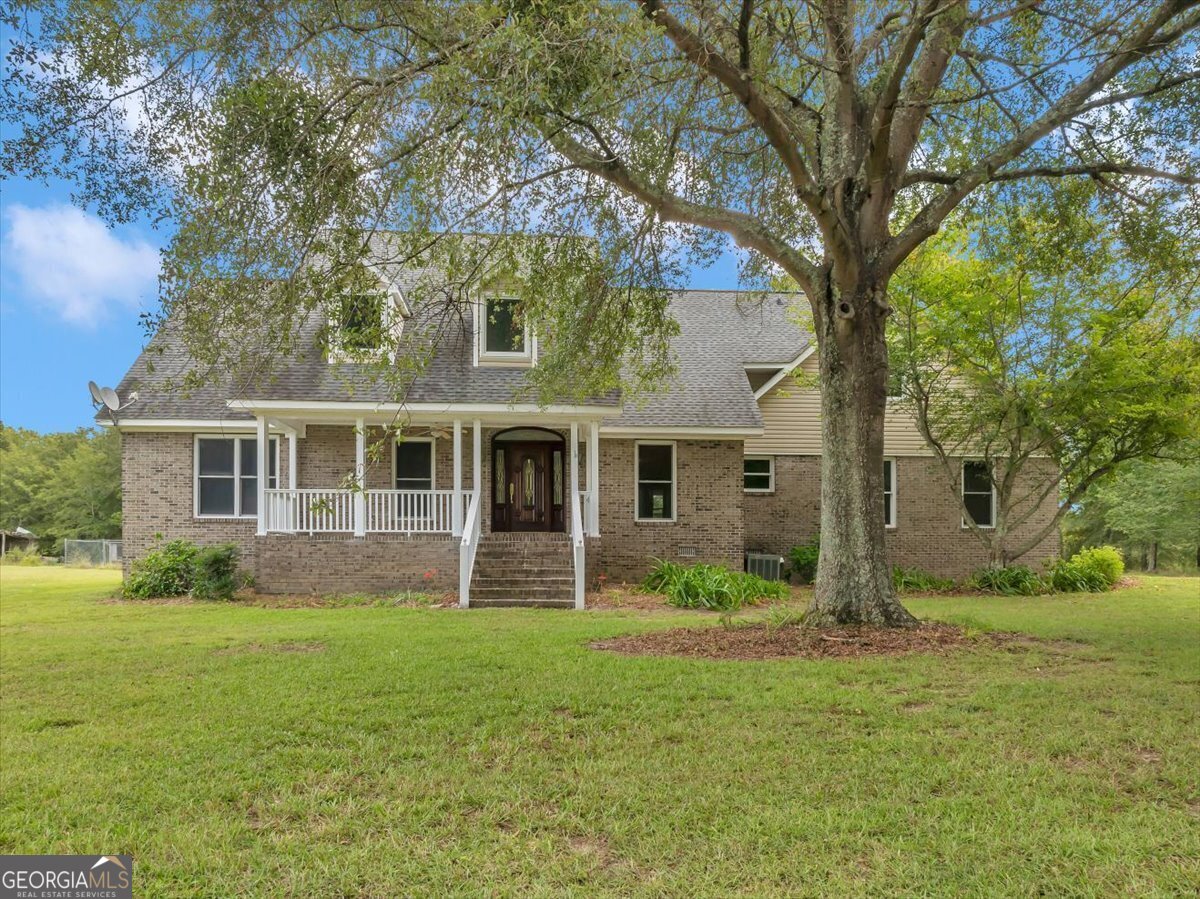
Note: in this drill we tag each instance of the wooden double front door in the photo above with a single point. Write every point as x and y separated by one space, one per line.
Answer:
527 486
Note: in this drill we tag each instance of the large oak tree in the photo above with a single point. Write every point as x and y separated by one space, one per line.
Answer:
829 139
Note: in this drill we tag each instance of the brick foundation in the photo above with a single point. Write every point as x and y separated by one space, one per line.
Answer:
377 563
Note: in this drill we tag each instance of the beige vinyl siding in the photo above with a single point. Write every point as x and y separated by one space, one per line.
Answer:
792 423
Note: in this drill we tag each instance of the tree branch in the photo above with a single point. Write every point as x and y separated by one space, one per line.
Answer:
1147 37
761 110
745 229
928 176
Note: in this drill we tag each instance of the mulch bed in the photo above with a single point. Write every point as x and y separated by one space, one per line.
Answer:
756 641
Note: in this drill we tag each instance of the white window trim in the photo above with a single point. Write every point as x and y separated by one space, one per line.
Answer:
432 441
395 311
770 474
889 460
484 356
637 445
962 488
237 474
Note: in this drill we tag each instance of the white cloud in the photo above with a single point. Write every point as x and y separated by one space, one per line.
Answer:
68 261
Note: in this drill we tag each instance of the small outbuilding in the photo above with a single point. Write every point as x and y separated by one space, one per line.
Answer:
20 538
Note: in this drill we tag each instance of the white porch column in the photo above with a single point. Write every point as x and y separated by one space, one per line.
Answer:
263 470
456 520
575 464
360 478
477 461
292 460
593 478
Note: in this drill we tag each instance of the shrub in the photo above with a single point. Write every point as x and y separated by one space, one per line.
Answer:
1105 560
166 571
24 556
1072 576
710 586
804 561
1015 580
914 580
214 572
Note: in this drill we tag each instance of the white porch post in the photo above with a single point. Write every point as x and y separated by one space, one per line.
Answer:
263 470
575 463
593 478
292 460
477 461
456 519
360 478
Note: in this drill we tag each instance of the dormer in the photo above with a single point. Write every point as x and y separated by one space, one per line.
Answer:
502 336
367 321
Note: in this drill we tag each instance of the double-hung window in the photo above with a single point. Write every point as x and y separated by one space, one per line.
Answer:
889 492
361 322
654 465
414 464
503 337
978 493
227 475
758 474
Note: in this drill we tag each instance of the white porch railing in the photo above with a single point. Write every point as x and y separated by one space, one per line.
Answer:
410 511
311 511
472 527
577 546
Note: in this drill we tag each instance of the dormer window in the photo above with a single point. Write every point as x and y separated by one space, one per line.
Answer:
361 322
501 336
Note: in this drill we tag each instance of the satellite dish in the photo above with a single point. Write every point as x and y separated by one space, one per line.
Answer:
95 392
108 396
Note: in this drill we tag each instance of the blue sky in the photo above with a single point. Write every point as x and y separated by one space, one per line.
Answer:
71 291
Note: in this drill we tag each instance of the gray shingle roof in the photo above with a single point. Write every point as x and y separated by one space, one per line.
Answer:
720 332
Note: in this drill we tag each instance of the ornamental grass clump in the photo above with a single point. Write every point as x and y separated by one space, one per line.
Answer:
1014 580
915 580
713 587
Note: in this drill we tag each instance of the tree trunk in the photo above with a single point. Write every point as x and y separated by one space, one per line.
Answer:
854 579
1153 556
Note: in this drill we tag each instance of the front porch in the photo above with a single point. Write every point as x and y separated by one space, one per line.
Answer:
345 480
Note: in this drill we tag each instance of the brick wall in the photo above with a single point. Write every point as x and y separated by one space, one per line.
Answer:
708 525
157 489
377 563
928 532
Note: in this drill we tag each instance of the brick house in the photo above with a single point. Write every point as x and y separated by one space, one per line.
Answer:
503 500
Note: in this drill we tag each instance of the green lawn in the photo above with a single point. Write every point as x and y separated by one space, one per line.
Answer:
435 752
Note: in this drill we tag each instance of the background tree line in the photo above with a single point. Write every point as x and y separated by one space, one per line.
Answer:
64 485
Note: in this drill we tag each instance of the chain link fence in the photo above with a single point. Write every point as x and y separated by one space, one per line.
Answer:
91 552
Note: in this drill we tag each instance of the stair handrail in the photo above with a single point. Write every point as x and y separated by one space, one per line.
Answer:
466 550
578 548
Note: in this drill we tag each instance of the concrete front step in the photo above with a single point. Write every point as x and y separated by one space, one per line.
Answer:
529 537
523 570
508 602
505 551
487 579
520 592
